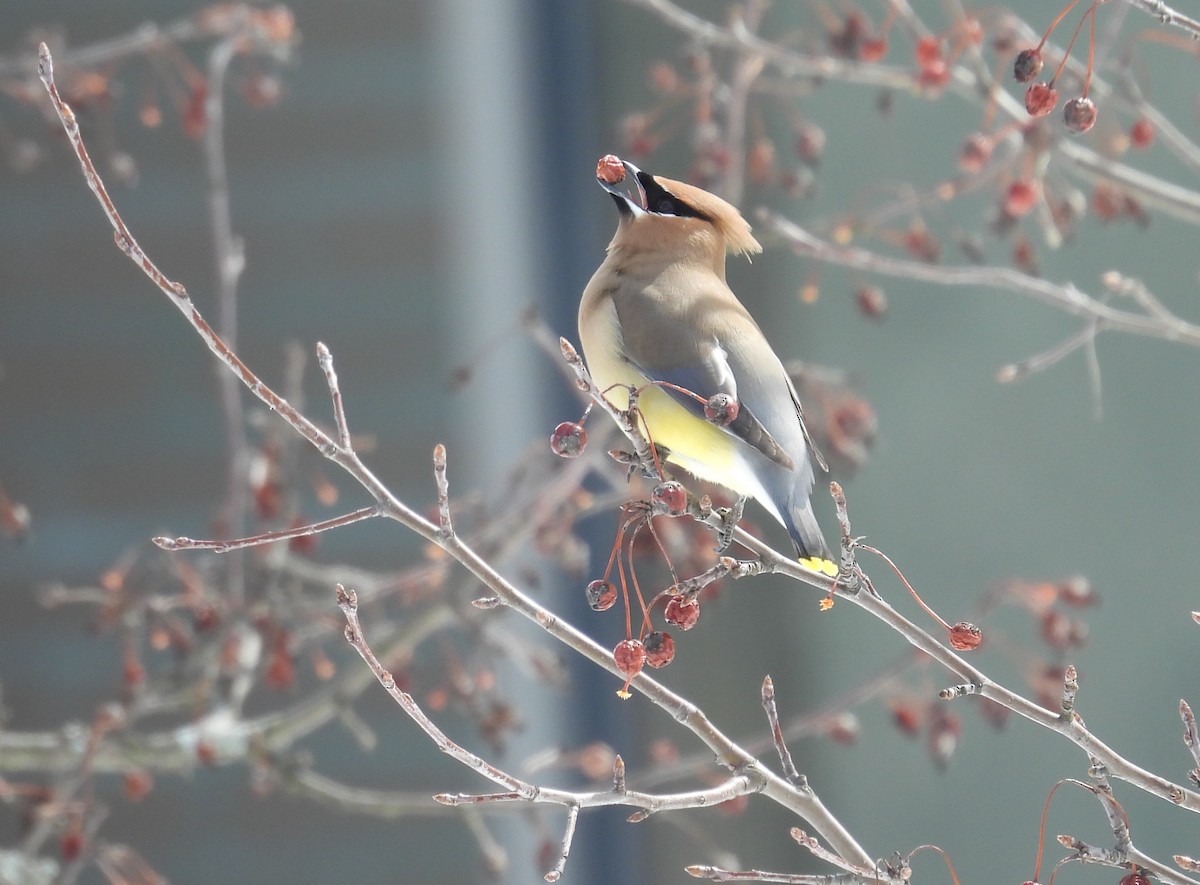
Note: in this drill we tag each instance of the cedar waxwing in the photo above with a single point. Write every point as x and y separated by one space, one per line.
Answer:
659 310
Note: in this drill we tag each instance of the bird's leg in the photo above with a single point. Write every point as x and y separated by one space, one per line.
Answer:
730 517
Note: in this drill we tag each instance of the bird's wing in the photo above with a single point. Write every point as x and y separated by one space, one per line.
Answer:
718 349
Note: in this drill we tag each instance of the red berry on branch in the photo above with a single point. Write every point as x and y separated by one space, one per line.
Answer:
1021 197
934 76
660 649
682 611
671 498
630 657
1040 99
1028 65
975 152
601 595
1141 133
721 409
872 49
1080 114
871 301
965 637
928 52
568 440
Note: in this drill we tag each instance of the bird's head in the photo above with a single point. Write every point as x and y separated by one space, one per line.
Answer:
658 209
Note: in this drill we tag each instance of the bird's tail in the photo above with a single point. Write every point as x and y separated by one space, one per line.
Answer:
811 549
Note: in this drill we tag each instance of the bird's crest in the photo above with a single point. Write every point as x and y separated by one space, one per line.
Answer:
723 215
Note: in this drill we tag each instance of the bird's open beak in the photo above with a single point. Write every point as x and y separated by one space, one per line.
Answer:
628 200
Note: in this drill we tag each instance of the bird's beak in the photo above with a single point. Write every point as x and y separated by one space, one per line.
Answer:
634 204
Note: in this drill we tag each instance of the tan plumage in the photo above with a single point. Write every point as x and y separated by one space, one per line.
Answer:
659 309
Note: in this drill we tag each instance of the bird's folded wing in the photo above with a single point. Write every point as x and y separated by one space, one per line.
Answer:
709 375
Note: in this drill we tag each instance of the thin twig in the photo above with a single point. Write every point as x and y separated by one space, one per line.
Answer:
325 361
315 528
443 490
785 755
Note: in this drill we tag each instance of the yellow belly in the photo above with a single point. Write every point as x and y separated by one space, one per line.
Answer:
699 447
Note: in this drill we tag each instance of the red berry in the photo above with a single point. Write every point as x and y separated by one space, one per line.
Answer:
921 244
907 717
1077 591
965 637
975 152
1141 133
1080 114
1021 197
1028 65
1107 201
928 52
682 611
137 785
872 302
934 75
70 844
1135 878
872 49
1040 99
810 143
195 120
601 595
660 649
568 440
721 409
671 498
630 657
760 161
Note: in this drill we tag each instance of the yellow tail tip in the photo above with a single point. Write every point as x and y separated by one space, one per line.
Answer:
820 565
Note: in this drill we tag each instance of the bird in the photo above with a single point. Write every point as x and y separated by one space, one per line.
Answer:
658 316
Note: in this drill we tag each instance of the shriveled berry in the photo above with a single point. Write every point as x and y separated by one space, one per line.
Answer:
682 611
721 409
1080 114
1040 99
610 169
660 648
671 497
601 595
568 440
1028 65
630 657
965 637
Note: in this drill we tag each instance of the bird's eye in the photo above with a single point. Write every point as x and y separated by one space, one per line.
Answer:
667 207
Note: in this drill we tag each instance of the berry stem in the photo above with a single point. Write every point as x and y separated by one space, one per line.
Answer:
644 627
904 580
1087 80
625 597
1054 24
1067 52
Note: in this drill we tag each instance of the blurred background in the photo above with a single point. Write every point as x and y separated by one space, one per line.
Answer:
423 178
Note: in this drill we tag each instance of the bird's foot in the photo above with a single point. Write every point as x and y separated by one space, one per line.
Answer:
730 517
